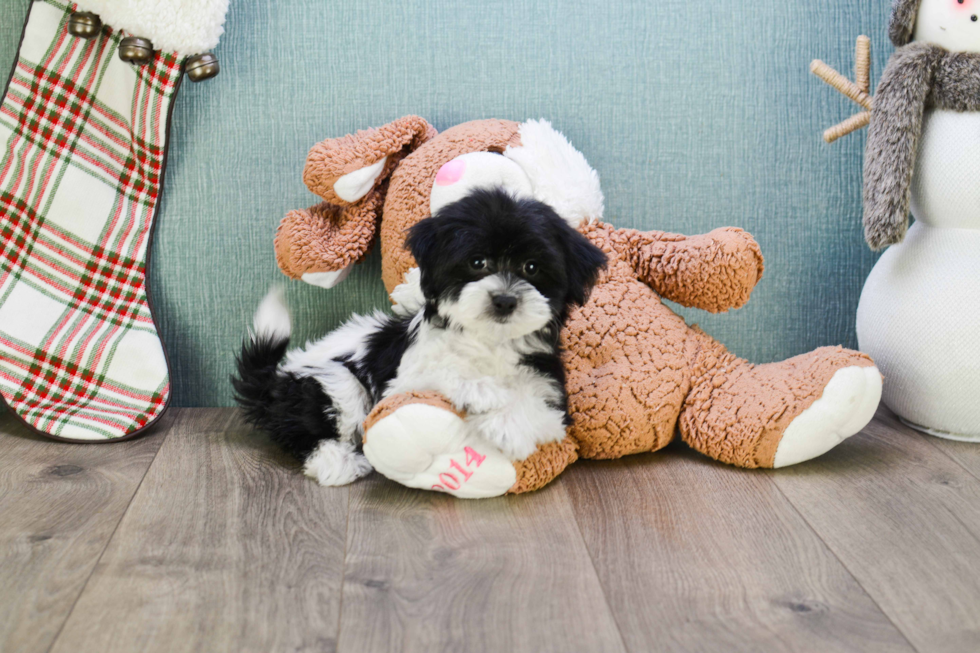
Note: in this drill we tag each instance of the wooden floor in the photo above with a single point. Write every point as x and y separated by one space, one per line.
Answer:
200 537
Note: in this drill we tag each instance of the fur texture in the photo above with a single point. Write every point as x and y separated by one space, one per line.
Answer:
186 27
634 369
919 76
902 24
336 462
498 277
499 363
560 176
304 240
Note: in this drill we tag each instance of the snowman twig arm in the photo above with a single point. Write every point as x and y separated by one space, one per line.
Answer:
857 90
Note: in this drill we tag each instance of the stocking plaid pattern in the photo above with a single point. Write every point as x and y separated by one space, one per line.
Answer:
82 151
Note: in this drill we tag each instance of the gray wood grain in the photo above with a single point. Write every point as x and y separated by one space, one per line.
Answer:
227 547
697 556
967 454
905 520
426 572
59 505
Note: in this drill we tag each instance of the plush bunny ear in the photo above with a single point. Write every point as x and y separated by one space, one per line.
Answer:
321 244
344 170
902 25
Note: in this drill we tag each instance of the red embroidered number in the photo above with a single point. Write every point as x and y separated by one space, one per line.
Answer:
473 459
472 456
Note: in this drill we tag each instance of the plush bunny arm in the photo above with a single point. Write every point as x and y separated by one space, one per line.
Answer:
326 238
337 167
893 138
714 272
319 245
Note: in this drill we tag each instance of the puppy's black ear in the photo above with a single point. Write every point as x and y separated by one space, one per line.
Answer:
423 242
583 262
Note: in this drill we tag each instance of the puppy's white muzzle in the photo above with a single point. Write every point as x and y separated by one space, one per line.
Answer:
499 307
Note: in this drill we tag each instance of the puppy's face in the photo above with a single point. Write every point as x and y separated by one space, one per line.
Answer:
502 267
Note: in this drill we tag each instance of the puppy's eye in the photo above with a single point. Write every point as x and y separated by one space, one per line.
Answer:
478 263
531 268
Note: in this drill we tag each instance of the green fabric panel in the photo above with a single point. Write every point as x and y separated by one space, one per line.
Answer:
696 115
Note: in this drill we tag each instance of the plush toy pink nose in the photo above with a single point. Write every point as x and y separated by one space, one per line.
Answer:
451 172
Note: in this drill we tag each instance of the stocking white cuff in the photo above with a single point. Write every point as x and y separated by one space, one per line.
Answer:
185 27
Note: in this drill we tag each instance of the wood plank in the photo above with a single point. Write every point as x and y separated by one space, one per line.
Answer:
694 555
967 454
426 572
59 505
226 547
905 520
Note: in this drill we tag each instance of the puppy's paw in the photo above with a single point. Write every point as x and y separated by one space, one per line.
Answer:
335 463
422 442
520 427
480 396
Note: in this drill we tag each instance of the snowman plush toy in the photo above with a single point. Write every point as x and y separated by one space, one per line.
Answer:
919 314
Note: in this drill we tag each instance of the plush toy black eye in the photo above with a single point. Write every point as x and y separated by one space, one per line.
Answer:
531 268
973 18
478 264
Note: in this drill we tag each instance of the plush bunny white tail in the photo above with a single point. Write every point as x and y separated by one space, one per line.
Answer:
560 175
185 27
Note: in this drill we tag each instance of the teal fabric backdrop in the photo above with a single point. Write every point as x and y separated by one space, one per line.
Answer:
696 115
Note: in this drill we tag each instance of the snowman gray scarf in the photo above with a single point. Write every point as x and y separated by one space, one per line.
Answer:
919 76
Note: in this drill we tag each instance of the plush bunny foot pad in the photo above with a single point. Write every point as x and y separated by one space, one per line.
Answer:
425 446
846 406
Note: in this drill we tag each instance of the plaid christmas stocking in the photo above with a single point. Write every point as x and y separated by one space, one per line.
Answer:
83 142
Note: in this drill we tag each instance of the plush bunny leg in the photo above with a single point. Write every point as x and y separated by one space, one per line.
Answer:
419 440
543 466
319 245
778 414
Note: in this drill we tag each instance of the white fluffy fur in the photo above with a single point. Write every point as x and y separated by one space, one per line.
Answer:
407 297
478 369
351 400
185 27
473 307
506 403
559 174
272 317
336 462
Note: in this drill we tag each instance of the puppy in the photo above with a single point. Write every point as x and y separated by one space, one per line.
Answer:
498 276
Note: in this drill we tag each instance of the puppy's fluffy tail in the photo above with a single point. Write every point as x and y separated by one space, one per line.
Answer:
256 383
289 408
271 320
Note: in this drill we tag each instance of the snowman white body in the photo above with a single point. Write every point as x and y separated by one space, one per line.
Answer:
919 314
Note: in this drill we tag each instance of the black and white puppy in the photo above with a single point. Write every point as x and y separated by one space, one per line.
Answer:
498 277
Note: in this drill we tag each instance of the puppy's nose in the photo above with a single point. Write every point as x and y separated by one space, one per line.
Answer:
504 305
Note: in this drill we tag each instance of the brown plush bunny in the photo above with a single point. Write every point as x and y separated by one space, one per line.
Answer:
637 373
